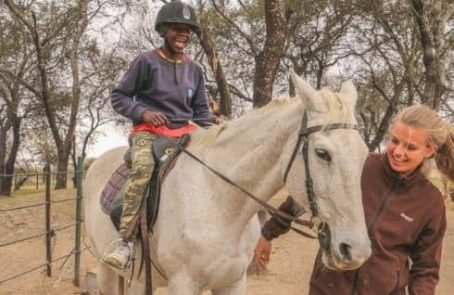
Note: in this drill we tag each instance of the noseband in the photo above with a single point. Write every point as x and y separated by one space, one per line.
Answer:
304 142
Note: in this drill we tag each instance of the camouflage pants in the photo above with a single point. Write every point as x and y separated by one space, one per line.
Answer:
142 164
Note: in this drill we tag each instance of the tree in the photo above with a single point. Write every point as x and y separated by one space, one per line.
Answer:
266 49
212 55
15 63
398 53
319 37
102 69
62 49
432 18
391 70
56 34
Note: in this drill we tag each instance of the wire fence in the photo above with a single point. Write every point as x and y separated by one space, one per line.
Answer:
45 180
35 180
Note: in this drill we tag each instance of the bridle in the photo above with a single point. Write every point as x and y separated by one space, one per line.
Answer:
323 231
303 134
304 142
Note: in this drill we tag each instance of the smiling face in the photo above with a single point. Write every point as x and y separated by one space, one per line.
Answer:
407 148
176 38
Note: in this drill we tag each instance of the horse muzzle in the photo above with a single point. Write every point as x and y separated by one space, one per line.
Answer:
341 256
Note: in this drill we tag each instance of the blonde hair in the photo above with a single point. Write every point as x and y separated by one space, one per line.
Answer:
439 133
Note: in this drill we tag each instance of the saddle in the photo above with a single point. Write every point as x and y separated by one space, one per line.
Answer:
165 152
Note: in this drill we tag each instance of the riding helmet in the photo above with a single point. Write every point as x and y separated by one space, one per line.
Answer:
176 12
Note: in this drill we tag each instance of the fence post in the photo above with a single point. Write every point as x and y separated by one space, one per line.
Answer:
79 176
37 178
48 230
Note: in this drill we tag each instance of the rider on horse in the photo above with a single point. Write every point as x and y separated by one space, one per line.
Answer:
161 92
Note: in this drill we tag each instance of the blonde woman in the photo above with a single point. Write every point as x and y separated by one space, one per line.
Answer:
405 213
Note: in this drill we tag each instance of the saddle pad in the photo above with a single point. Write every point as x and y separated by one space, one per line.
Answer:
113 186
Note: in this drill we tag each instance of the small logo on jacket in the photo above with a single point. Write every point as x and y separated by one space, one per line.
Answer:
190 93
407 218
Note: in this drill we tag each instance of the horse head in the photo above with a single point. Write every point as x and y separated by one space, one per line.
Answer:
325 172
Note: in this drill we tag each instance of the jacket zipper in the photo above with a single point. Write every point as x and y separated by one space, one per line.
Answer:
386 198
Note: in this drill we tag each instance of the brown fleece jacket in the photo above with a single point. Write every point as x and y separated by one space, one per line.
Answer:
406 239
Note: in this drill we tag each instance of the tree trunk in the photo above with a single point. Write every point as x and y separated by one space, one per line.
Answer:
3 178
61 177
11 124
8 168
216 67
431 25
6 185
267 61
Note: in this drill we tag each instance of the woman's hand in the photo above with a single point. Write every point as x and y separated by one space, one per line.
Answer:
154 118
262 254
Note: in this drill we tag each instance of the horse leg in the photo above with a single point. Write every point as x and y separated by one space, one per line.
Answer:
236 289
183 284
109 282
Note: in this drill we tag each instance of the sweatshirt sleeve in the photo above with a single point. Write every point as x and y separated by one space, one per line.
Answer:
276 226
122 97
426 256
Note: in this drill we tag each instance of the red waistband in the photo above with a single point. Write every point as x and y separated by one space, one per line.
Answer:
164 130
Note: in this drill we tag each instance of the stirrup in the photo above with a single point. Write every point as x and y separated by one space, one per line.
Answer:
112 246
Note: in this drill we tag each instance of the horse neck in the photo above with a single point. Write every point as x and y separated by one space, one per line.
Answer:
250 152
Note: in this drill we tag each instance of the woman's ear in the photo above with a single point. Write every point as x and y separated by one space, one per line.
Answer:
431 151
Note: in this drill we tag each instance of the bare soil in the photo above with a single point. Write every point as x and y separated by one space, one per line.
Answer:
288 271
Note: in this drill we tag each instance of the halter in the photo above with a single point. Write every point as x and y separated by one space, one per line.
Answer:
303 140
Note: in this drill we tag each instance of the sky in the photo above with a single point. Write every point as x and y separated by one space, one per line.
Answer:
108 138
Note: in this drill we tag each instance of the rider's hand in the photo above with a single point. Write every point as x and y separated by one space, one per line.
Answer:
154 118
218 119
262 254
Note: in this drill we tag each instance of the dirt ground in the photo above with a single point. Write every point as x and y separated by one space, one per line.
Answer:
288 270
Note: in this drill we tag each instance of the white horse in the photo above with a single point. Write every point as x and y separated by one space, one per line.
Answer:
206 228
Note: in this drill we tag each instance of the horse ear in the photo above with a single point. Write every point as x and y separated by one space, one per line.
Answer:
348 90
311 98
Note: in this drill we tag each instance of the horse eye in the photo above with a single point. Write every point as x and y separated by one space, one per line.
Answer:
323 154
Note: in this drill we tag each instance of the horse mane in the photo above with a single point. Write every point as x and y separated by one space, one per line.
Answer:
338 111
205 138
338 108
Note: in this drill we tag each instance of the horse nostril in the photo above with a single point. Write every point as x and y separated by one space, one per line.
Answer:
345 250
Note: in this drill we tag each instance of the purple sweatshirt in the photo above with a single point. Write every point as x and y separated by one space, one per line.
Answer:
152 83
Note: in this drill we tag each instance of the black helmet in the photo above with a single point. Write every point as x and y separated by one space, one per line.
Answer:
176 12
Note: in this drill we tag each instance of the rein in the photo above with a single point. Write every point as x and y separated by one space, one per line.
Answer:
264 204
302 140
